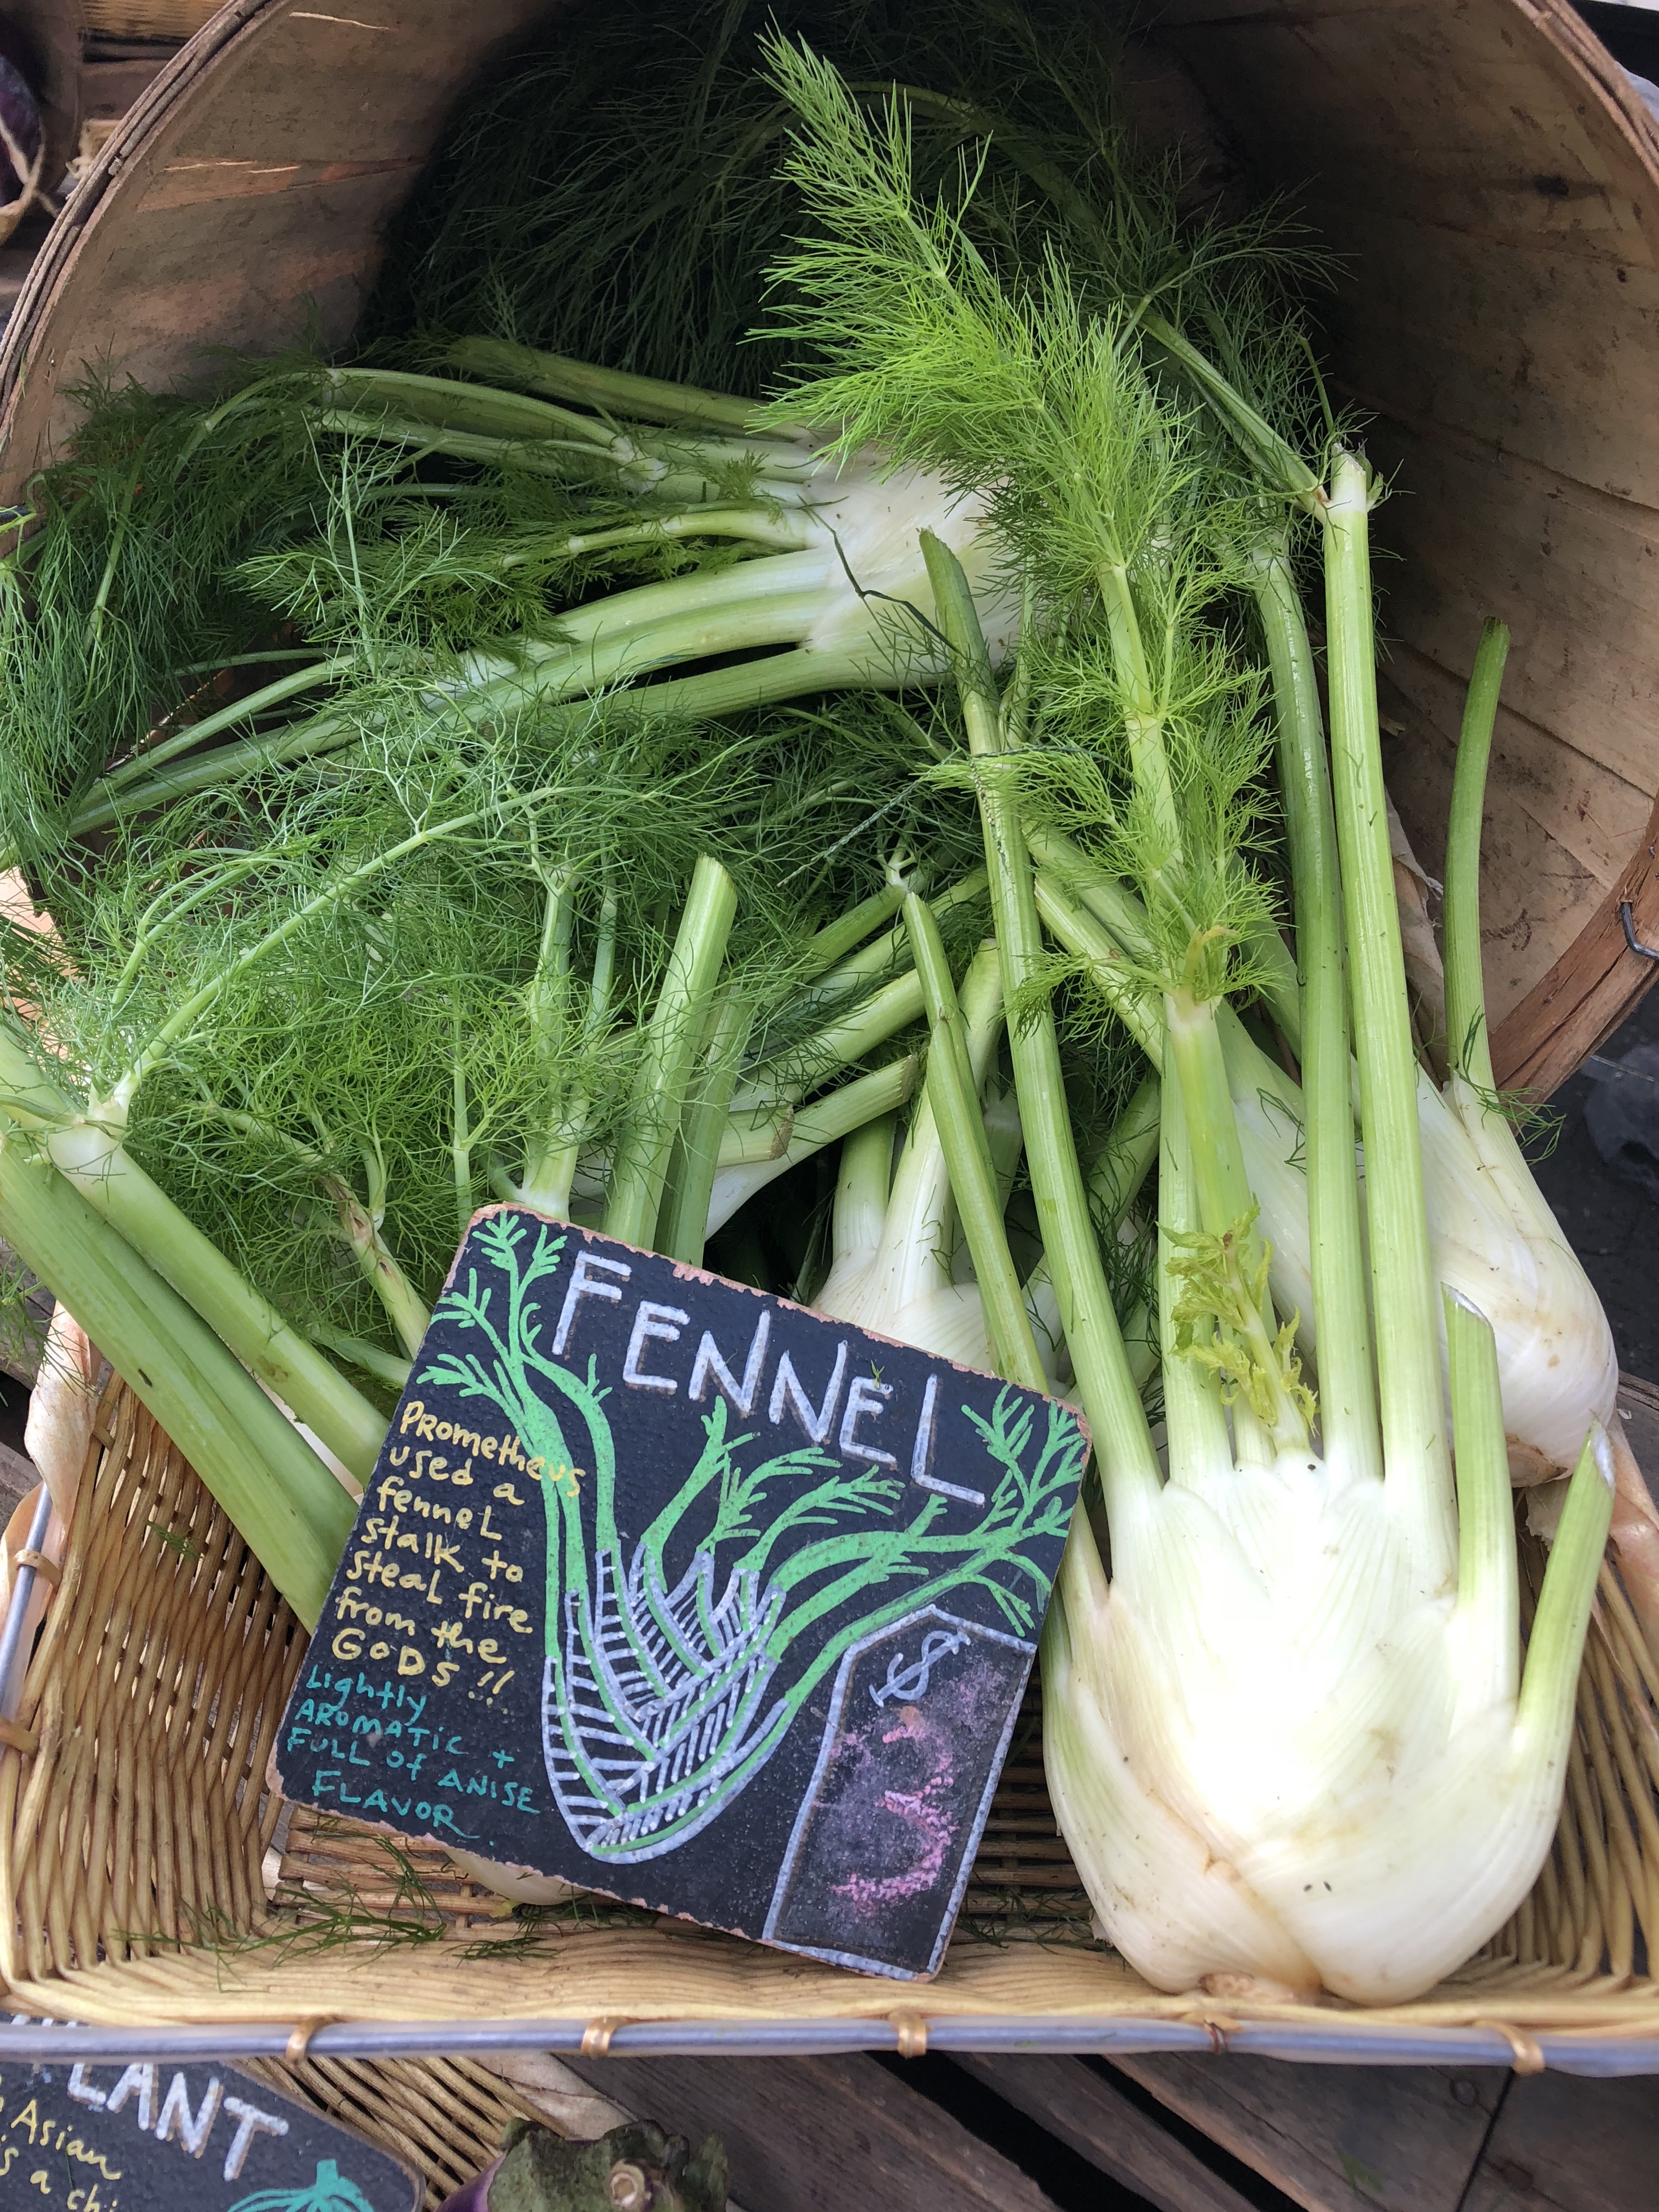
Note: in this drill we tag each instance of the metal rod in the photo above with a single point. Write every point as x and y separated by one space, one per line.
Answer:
66 2043
1612 1070
1627 920
14 1660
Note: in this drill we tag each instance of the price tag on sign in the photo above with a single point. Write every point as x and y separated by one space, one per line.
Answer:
682 1593
153 2137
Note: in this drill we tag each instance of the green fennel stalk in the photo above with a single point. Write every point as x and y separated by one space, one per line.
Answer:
273 1488
1106 1383
1413 1416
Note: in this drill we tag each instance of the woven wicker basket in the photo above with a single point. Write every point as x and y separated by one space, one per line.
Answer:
147 1875
145 19
442 2115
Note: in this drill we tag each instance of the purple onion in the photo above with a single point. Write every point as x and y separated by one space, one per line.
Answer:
19 111
472 2196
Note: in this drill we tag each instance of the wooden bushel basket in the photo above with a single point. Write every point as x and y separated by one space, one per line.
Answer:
1492 184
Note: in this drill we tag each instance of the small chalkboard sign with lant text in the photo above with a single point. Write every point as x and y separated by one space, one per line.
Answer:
156 2137
682 1593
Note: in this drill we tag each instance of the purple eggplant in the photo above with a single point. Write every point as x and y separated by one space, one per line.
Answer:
636 2168
473 2196
19 133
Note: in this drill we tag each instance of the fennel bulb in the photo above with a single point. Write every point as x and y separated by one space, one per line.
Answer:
1497 1240
1494 1242
792 562
840 588
890 1270
1275 1754
1351 1785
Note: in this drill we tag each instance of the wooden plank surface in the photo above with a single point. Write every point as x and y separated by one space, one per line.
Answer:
1397 2138
820 2134
1097 2121
1566 2144
109 89
1638 1407
18 1476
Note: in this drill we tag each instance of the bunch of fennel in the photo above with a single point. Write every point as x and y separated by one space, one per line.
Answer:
450 534
1288 1739
1207 310
278 1058
454 503
1035 410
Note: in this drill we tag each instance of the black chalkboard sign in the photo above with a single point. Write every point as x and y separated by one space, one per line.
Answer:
153 2137
682 1593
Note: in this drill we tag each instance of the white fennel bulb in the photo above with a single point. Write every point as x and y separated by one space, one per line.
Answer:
891 1266
835 587
1339 1792
860 523
1496 1240
1493 1239
1290 1739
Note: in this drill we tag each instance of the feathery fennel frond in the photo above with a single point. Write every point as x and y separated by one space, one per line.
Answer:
1097 489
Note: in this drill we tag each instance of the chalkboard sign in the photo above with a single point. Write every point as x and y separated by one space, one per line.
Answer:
682 1593
159 2138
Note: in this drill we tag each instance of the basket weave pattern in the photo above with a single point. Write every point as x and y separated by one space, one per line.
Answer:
139 1819
442 2115
149 1875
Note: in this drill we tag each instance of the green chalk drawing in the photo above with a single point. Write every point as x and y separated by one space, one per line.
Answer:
329 2192
656 1712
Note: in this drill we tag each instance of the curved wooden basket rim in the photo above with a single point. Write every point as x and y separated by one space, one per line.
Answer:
1567 1013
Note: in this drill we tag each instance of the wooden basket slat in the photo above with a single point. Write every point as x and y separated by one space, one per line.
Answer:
146 19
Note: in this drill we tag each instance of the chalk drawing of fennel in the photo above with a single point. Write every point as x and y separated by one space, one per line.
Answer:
657 1706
